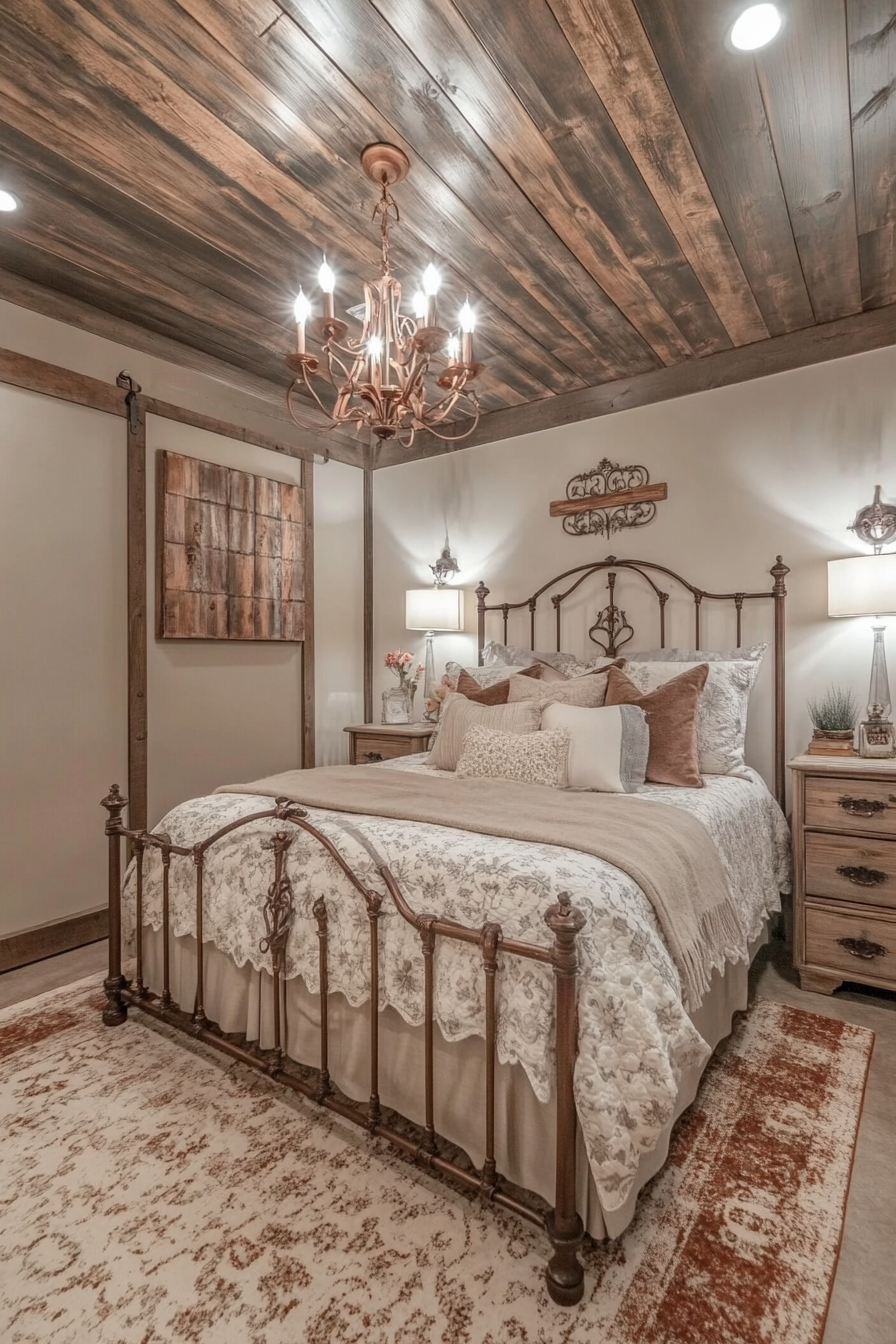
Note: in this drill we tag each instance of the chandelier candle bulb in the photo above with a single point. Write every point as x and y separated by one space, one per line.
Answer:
431 282
467 326
419 305
327 281
302 311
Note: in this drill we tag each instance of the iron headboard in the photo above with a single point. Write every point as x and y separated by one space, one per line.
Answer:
611 630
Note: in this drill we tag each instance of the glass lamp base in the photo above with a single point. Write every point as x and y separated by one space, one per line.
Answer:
877 737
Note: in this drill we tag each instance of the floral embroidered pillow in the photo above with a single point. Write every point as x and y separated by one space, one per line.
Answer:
527 758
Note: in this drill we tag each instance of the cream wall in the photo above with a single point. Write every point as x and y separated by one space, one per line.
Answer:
63 655
779 465
216 712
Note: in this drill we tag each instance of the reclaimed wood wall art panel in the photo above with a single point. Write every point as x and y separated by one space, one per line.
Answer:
230 553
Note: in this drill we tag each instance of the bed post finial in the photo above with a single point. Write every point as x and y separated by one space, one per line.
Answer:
115 1011
564 1274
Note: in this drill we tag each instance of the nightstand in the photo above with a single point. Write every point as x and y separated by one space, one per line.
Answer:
844 851
368 742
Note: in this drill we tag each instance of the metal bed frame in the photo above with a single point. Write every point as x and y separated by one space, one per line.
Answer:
564 1273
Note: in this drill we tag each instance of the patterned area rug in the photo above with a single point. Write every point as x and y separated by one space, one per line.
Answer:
152 1194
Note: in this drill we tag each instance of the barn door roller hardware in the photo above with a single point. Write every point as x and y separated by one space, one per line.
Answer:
124 379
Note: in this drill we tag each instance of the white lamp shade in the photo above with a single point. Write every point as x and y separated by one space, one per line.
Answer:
863 585
434 609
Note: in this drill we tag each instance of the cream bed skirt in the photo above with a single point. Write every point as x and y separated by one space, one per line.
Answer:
240 1000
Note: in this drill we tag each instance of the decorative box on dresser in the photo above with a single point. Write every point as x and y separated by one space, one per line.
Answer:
369 742
844 836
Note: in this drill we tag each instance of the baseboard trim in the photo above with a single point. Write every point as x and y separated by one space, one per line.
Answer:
59 935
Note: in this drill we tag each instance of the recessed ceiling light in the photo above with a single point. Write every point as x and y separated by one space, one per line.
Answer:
8 201
756 27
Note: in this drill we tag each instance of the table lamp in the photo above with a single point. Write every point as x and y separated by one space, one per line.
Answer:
865 585
433 609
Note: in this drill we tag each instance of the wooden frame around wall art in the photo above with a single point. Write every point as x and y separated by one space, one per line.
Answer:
230 553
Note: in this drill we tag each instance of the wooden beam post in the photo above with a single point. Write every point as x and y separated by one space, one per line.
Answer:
138 764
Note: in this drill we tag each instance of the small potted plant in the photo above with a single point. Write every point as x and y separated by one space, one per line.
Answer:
834 720
398 704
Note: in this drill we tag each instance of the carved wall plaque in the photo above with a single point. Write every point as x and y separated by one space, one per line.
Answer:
230 553
608 499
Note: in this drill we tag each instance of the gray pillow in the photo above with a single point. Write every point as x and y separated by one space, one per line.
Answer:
753 654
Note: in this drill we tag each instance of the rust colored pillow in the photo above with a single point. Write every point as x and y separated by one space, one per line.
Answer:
672 720
490 695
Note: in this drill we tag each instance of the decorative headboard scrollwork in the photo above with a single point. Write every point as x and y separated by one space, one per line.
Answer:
611 630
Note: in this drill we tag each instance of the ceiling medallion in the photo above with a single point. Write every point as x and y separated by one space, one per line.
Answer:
379 377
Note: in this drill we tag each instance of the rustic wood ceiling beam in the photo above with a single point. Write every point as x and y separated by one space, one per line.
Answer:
851 335
388 75
871 28
26 293
462 71
720 105
529 49
804 78
613 49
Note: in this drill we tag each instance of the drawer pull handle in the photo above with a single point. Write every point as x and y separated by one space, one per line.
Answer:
862 807
862 948
862 877
373 755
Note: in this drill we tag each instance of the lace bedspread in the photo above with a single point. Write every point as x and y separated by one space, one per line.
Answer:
635 1038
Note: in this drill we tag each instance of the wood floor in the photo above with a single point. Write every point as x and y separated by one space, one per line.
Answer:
863 1306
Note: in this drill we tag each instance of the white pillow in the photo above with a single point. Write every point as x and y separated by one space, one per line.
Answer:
527 758
721 713
607 747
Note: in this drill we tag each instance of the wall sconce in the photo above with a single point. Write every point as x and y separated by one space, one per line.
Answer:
444 568
865 585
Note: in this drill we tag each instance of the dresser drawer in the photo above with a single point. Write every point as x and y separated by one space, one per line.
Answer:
870 948
852 805
849 868
369 747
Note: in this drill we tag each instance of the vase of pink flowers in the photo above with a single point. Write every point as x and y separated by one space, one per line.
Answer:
398 703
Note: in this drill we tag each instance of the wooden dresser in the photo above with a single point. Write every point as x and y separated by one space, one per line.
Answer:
844 837
369 742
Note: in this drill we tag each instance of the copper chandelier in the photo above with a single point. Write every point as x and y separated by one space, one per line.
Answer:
379 377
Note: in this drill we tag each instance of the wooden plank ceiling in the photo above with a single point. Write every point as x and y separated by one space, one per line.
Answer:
621 194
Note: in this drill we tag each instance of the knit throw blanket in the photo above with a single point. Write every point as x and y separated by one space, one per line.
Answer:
667 852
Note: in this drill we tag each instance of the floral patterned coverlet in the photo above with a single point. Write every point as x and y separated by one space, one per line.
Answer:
635 1038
